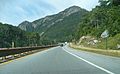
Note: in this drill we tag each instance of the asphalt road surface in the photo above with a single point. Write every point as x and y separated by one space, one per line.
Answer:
63 60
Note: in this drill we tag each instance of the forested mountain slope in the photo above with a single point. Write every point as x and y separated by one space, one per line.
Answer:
9 34
58 27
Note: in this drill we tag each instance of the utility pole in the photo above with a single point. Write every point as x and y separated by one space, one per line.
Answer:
105 35
106 43
97 26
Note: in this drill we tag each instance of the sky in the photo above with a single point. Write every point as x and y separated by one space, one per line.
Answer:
16 11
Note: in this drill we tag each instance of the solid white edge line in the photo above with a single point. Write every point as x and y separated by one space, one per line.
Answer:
103 69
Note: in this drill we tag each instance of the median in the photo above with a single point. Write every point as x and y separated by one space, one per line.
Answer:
115 53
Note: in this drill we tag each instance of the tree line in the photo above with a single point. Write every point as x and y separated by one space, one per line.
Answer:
105 16
10 34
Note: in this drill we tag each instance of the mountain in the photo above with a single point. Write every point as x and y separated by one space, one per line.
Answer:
57 27
27 26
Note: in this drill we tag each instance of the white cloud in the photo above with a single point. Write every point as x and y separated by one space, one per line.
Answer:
16 11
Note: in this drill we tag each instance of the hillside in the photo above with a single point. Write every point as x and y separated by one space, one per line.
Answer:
103 17
58 27
100 19
9 34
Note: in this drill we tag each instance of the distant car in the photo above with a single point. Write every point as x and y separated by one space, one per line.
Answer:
61 45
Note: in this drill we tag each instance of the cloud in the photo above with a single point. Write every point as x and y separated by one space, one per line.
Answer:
16 11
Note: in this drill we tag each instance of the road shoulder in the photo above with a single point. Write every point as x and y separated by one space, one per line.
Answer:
114 53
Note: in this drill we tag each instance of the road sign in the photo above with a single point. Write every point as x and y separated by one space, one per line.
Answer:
105 34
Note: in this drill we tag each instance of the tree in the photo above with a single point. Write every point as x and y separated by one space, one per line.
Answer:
109 2
115 2
103 2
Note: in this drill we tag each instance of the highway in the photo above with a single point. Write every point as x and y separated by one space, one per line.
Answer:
62 60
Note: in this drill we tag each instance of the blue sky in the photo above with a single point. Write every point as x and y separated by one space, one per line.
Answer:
16 11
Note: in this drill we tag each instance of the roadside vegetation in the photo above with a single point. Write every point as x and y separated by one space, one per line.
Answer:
9 34
106 16
115 53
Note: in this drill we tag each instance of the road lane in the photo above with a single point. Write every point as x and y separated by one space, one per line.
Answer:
108 62
52 61
101 68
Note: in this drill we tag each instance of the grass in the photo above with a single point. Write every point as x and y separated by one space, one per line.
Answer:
115 53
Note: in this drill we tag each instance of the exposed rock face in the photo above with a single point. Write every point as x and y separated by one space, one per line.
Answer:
27 26
57 25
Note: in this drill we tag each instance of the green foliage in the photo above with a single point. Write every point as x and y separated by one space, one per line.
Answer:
112 42
59 27
9 34
64 30
98 20
103 2
109 2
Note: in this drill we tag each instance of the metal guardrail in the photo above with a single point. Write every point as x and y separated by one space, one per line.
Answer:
13 51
